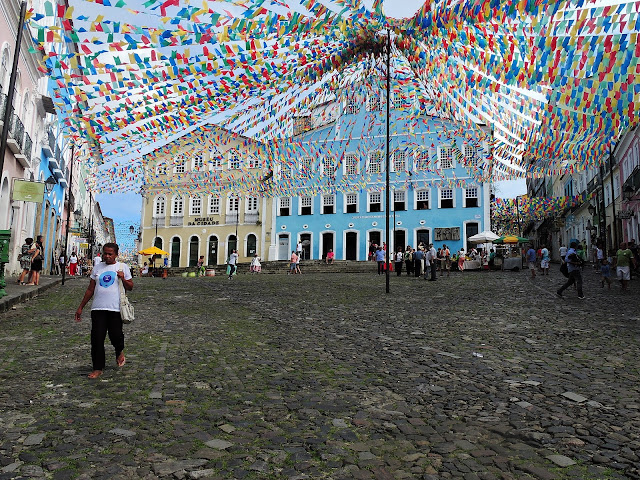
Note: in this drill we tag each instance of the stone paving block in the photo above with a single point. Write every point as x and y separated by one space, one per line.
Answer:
33 439
574 397
561 460
218 444
122 432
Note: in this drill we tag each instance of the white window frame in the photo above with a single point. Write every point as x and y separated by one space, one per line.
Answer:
284 202
159 206
195 205
445 158
329 166
380 163
305 164
471 155
351 105
197 162
233 204
421 160
304 199
177 207
399 101
215 161
180 165
351 164
374 102
214 205
404 199
251 205
347 202
403 156
252 162
233 153
440 197
467 195
369 202
161 169
417 198
328 200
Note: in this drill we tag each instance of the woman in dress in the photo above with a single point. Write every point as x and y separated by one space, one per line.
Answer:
255 267
25 260
461 258
36 261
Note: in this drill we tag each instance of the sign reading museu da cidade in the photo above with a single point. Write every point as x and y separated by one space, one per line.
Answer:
203 221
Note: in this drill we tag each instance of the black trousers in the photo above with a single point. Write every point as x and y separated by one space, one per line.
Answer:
434 270
417 264
574 277
398 268
103 322
409 264
380 267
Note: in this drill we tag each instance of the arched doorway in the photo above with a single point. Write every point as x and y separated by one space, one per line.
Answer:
327 243
284 252
305 239
213 250
175 252
251 245
157 242
351 246
194 242
232 244
399 240
422 236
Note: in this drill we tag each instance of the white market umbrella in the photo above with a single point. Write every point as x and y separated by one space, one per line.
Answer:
483 237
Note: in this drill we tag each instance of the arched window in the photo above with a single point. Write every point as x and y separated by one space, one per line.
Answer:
193 251
213 251
158 208
251 245
232 244
177 208
25 107
158 243
4 69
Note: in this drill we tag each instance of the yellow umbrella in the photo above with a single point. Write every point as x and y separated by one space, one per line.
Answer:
153 251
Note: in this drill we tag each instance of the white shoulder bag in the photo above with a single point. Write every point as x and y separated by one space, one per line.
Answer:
126 309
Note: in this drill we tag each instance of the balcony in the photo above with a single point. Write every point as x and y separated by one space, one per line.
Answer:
25 158
251 218
174 221
49 144
232 218
16 135
633 180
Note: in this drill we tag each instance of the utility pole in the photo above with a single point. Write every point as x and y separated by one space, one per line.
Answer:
614 226
66 235
388 194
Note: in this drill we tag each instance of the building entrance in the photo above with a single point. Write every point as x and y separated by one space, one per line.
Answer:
327 244
284 252
351 246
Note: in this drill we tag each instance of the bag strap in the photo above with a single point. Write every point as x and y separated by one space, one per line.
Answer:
122 290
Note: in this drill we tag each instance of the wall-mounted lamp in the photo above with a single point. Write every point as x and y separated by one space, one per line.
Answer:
49 183
628 192
592 210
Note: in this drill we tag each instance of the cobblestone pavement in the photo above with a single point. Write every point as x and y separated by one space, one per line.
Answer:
478 375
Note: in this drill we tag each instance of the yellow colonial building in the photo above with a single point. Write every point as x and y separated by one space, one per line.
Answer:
203 196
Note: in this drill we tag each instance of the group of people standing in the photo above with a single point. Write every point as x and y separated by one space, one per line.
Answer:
424 260
31 257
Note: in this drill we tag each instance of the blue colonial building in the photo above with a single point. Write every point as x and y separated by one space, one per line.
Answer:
332 176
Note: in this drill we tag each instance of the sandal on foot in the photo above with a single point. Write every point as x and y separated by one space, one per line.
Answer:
121 360
95 374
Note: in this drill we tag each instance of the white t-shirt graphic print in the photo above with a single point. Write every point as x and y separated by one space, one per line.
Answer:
107 293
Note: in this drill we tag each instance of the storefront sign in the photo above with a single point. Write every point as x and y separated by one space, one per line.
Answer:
442 234
203 221
26 191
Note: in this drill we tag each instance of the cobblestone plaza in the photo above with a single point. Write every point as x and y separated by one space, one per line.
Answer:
477 375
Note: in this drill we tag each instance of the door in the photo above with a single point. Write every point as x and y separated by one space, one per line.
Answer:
471 230
193 251
305 238
351 248
422 236
175 252
327 244
232 245
284 252
399 240
251 245
158 243
374 237
213 251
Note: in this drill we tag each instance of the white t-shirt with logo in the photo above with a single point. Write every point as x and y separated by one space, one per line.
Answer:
73 259
106 295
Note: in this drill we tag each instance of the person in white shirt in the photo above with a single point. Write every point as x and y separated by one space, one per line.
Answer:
73 264
299 249
233 263
432 255
105 310
97 259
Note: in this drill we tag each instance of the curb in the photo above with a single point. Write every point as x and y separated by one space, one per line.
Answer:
10 300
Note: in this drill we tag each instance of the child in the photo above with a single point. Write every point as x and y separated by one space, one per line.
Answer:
605 272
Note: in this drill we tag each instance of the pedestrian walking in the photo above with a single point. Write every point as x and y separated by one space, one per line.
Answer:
624 260
573 267
461 258
399 261
105 309
233 263
531 260
418 259
447 259
73 263
37 255
256 266
433 261
25 260
62 261
293 263
408 260
97 259
299 249
546 258
380 253
605 273
201 267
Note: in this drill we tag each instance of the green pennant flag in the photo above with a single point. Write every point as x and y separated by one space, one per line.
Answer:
48 9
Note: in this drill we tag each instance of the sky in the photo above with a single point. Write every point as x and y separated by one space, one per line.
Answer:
125 209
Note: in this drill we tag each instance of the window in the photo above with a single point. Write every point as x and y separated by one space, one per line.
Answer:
422 199
252 162
4 67
399 200
351 201
399 161
375 162
305 206
328 204
445 155
197 162
328 166
177 208
158 209
374 103
285 206
161 169
233 204
422 159
234 159
446 198
306 164
301 124
399 101
179 165
471 155
252 204
350 164
214 205
215 161
471 197
351 106
196 206
375 202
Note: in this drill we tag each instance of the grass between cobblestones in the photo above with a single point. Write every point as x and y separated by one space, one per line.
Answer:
325 376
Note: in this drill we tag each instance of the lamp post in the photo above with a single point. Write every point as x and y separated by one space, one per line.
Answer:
518 215
68 195
388 194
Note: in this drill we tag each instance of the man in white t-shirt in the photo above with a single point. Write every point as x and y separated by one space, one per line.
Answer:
233 263
97 259
299 249
105 310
